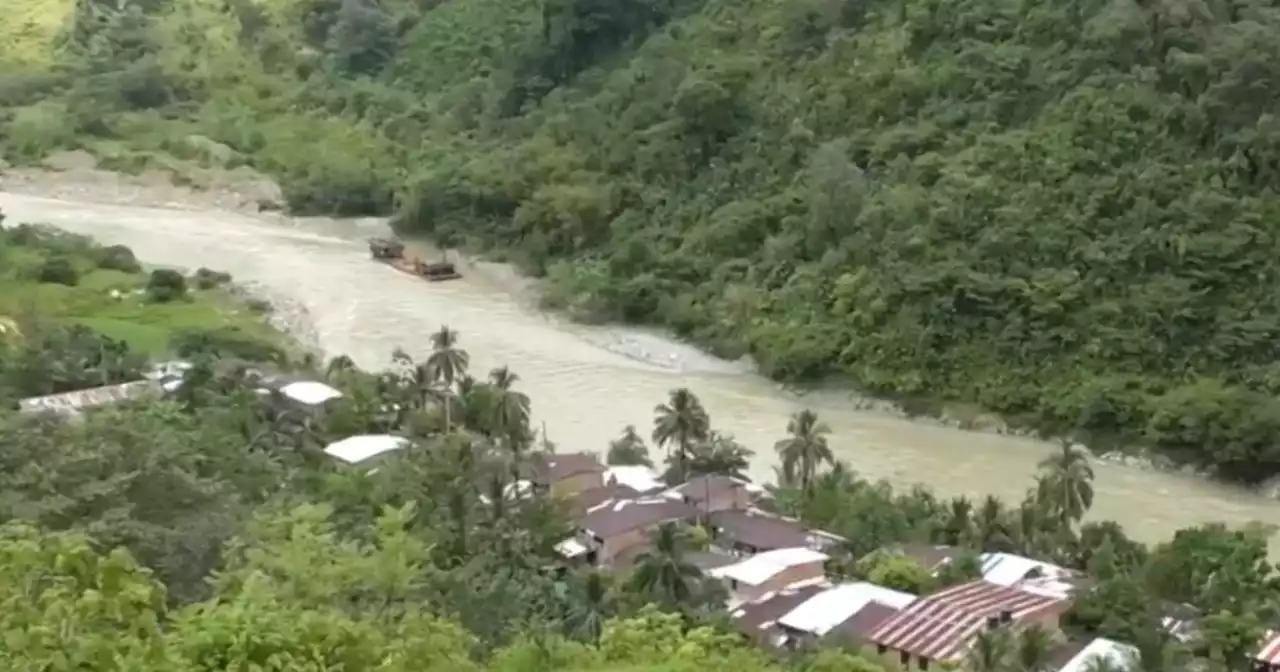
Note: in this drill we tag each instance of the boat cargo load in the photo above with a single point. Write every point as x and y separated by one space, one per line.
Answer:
391 252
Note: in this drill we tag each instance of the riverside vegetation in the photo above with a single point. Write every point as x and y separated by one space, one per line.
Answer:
1058 211
210 532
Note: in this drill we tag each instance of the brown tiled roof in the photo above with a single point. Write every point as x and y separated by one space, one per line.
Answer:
860 625
547 469
1065 653
588 499
757 619
700 488
760 531
615 517
709 561
940 626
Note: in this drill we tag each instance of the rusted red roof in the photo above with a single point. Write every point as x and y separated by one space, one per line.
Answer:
1269 652
615 517
589 499
864 621
940 626
758 619
548 469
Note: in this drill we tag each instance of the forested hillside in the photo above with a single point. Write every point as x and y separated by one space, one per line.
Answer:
1061 211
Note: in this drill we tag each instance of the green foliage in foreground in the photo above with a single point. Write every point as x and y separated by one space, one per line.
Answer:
210 532
1059 211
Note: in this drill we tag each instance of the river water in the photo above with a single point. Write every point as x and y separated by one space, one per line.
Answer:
588 383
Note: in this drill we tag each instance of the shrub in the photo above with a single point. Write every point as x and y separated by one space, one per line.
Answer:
225 342
165 285
205 278
58 270
118 258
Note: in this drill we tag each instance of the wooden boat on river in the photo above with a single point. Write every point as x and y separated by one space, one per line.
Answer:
391 252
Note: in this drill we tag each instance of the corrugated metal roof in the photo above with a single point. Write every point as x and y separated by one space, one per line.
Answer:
356 449
70 403
831 608
764 566
1007 569
1123 655
940 626
1269 652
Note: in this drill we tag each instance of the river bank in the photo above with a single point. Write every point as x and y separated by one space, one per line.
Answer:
76 176
586 394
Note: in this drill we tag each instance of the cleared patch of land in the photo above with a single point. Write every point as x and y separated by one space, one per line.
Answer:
49 279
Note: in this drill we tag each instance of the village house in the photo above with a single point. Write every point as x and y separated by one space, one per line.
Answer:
637 477
586 500
769 572
70 405
1010 570
565 474
615 527
825 613
758 620
1267 659
941 626
749 531
1086 656
714 493
365 449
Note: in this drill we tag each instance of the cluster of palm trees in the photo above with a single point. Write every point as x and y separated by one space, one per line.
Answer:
683 427
442 382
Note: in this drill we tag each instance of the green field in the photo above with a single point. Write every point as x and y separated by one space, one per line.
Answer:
115 303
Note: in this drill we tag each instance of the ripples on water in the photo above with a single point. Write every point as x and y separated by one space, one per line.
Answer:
587 383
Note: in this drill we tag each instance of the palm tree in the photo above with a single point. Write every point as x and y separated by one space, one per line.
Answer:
719 454
805 449
683 422
1033 649
991 526
591 605
991 651
957 522
629 449
1068 484
446 364
662 571
447 361
510 412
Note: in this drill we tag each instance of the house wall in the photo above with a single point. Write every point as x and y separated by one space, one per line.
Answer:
779 581
722 500
577 483
621 542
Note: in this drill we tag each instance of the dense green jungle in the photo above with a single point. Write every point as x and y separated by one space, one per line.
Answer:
207 530
1062 212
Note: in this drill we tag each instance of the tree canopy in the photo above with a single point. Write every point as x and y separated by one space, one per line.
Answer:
1057 212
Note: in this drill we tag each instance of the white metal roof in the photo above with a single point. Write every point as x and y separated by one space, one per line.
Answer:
571 548
824 611
310 392
761 567
356 449
640 478
1007 569
1099 649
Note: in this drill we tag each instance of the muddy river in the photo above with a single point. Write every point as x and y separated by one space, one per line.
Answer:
588 383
